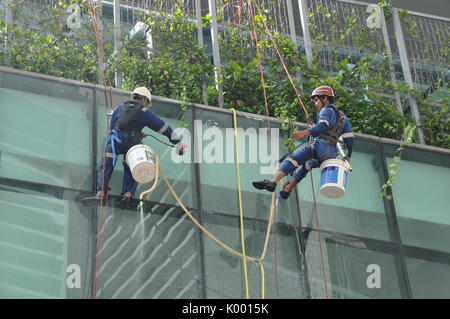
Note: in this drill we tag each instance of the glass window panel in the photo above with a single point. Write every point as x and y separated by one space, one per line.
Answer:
421 198
224 270
40 236
429 274
361 211
216 162
345 262
257 155
148 255
45 131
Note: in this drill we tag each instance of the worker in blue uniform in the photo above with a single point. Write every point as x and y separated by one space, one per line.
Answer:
126 124
331 125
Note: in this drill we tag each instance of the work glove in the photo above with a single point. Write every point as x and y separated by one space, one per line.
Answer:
180 148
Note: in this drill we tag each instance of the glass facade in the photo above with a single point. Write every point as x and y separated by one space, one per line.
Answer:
53 133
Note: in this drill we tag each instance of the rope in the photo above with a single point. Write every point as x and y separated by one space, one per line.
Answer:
241 213
261 268
103 209
310 122
258 56
214 238
284 66
319 240
97 259
275 251
141 197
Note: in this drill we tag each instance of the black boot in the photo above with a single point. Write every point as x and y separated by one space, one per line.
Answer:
91 201
283 194
265 184
124 202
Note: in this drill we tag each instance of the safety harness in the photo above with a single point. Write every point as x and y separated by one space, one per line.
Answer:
333 134
127 117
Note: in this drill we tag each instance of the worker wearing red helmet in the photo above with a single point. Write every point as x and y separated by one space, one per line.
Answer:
331 125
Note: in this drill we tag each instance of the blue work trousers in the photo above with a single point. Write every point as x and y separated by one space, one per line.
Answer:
308 158
121 148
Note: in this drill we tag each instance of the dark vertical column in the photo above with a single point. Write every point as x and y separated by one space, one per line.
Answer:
94 184
302 245
197 193
394 230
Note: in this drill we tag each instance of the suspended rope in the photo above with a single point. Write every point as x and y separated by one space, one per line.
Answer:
241 213
310 122
308 118
219 242
275 251
258 57
103 214
319 239
243 255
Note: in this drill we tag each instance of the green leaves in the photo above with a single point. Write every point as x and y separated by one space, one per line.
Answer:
177 67
408 133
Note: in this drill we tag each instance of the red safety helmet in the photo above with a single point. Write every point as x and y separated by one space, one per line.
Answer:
322 90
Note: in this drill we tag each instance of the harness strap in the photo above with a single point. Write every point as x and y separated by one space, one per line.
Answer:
332 135
114 137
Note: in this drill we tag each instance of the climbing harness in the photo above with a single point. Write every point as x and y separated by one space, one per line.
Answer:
113 138
333 134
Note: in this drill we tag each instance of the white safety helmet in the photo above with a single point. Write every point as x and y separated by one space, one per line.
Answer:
142 91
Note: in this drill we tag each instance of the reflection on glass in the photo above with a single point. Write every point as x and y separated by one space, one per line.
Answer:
40 237
346 267
224 270
45 134
147 255
361 211
422 199
429 274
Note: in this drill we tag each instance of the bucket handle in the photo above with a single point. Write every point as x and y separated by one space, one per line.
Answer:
343 155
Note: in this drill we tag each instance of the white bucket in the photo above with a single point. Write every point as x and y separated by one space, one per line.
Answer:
141 162
333 178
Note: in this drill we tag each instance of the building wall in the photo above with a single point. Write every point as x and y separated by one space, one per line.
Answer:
53 132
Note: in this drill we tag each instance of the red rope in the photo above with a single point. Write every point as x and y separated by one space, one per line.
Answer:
99 226
308 118
311 123
263 82
318 238
103 208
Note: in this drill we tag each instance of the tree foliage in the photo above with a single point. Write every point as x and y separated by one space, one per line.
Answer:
177 67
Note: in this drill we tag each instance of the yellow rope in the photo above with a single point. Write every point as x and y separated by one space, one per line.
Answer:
214 238
241 213
261 267
141 197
